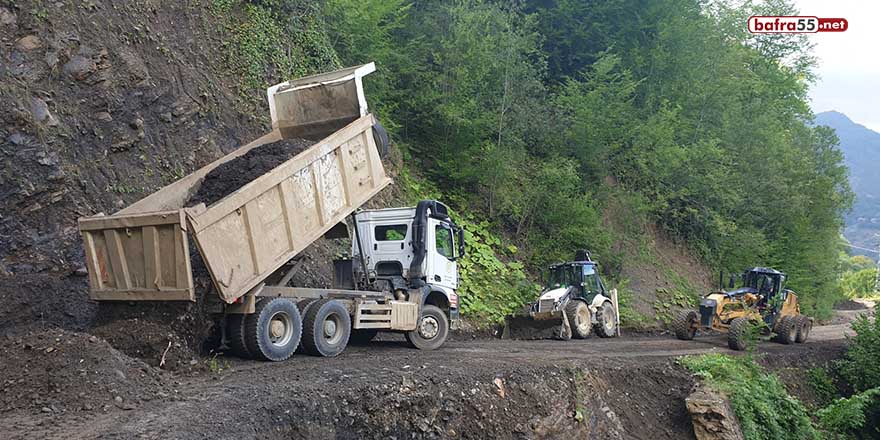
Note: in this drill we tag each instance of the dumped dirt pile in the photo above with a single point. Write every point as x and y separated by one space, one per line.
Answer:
850 305
240 171
38 301
61 372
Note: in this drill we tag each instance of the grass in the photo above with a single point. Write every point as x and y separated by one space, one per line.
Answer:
763 406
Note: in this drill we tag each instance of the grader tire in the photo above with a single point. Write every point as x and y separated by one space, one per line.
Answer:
685 325
578 315
786 332
803 329
738 334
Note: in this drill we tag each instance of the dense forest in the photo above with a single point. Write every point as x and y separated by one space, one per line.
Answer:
530 117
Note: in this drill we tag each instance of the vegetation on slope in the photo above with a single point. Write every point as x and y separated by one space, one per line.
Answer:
529 115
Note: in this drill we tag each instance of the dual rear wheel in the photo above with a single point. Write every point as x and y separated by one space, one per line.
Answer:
279 327
791 329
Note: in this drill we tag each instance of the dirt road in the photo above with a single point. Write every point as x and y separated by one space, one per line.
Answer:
599 388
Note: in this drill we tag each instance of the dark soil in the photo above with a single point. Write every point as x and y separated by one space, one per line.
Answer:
232 175
55 372
850 305
39 301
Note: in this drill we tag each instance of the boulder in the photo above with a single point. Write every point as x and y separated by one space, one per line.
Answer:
712 415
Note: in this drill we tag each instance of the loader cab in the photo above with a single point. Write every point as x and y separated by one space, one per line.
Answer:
583 275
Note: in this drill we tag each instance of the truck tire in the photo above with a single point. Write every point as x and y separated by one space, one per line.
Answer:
303 306
326 328
578 315
685 325
804 326
607 326
431 330
738 334
362 336
235 338
273 331
786 333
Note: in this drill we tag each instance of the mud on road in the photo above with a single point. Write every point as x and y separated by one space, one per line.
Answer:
481 388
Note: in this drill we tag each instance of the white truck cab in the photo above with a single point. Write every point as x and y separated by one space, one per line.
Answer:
403 249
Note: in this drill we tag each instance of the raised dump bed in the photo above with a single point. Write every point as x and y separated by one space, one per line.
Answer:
142 251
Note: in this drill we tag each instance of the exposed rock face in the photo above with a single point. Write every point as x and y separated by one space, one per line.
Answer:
712 416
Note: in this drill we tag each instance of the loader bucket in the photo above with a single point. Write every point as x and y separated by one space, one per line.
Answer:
545 327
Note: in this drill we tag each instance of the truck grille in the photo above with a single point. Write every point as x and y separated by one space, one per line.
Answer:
546 305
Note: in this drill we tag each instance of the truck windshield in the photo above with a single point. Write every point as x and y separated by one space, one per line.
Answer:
563 276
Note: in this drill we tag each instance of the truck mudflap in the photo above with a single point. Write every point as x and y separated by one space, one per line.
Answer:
141 257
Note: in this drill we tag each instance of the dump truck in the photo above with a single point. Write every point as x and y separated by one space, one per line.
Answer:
761 302
573 303
248 240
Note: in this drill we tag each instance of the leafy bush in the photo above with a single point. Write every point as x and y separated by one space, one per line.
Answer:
822 384
859 284
273 41
861 364
847 415
763 406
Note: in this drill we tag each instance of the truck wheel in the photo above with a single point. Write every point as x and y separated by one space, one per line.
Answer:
737 335
786 333
579 318
326 328
607 326
431 331
803 329
685 325
273 331
235 336
362 336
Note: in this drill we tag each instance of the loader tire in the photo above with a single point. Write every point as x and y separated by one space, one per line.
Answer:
786 333
607 326
362 336
235 338
273 331
738 334
431 330
326 328
578 315
685 325
804 326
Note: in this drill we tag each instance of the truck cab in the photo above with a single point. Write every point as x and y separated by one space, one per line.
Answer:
408 250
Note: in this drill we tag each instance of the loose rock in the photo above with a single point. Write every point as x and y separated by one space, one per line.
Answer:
80 67
29 42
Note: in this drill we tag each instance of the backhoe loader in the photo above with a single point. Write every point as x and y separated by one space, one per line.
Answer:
573 304
761 302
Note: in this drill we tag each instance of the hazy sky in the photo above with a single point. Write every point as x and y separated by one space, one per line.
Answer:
849 62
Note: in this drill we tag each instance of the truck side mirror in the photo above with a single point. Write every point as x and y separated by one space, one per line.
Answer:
460 243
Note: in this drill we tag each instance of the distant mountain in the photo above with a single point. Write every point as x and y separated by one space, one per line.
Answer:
861 149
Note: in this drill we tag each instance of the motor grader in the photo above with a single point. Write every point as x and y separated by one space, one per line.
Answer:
761 302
